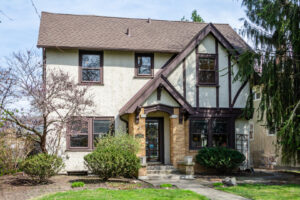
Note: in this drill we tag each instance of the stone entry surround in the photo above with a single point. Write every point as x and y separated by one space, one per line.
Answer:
178 140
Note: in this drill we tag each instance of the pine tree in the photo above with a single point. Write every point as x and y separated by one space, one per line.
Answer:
274 27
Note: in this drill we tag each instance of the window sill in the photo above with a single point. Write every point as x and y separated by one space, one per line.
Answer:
91 83
79 150
207 85
146 77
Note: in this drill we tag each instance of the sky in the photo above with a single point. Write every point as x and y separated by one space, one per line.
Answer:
20 23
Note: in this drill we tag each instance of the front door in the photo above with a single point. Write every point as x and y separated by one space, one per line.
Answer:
154 140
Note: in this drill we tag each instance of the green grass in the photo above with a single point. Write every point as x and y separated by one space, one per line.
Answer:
218 184
77 184
265 192
166 185
138 194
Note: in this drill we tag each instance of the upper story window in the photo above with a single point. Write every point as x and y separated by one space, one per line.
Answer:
144 65
256 94
206 66
84 133
208 132
90 67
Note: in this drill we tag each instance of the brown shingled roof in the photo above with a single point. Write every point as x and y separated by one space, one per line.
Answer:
97 32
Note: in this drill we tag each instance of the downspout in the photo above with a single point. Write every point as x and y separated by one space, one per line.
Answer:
126 122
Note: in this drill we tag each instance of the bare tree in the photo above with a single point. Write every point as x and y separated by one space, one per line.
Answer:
52 96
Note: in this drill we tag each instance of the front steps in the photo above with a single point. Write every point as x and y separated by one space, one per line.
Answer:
164 172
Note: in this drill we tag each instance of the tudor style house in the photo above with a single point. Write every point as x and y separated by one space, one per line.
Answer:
169 83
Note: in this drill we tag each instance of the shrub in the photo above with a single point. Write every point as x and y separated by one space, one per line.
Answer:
166 185
42 166
77 184
13 150
220 158
114 156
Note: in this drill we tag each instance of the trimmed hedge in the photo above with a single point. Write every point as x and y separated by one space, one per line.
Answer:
220 158
42 166
114 156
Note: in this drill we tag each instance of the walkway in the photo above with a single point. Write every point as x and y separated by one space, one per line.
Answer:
196 186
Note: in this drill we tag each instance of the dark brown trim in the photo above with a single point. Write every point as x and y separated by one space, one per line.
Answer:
217 112
159 89
151 85
184 78
232 131
159 107
136 68
90 146
197 76
217 71
229 79
176 95
238 93
100 53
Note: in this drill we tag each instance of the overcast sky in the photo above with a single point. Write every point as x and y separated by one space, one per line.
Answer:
20 23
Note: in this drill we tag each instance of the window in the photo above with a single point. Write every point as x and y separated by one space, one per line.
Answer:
271 131
90 67
206 66
84 133
144 65
199 133
219 133
251 131
256 94
208 132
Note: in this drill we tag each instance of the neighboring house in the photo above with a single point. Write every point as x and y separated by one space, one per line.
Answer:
167 82
263 141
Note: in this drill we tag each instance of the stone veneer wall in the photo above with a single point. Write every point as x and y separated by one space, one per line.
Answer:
177 139
140 128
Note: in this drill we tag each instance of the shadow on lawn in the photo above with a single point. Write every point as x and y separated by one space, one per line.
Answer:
26 182
98 180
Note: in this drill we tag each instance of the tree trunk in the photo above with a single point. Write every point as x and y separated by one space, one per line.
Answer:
43 144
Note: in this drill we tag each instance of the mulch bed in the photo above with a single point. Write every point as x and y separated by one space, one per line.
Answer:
19 186
261 176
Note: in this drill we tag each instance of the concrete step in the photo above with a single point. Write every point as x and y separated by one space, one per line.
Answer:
162 172
160 167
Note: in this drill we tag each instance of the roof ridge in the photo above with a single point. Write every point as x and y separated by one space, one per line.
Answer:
133 18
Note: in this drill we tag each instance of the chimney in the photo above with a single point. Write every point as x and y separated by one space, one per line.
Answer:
149 20
128 32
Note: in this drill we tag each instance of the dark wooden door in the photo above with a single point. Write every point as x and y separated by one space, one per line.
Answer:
154 140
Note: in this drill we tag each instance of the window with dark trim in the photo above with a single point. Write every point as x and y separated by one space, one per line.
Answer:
211 132
83 133
144 65
207 69
90 67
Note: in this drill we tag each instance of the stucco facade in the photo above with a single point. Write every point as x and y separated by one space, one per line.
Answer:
120 85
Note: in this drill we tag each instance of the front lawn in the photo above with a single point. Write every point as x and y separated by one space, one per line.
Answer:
140 194
265 192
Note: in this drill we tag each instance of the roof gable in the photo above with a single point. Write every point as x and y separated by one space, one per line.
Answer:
160 77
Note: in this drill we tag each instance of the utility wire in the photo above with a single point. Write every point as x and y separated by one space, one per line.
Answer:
35 9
